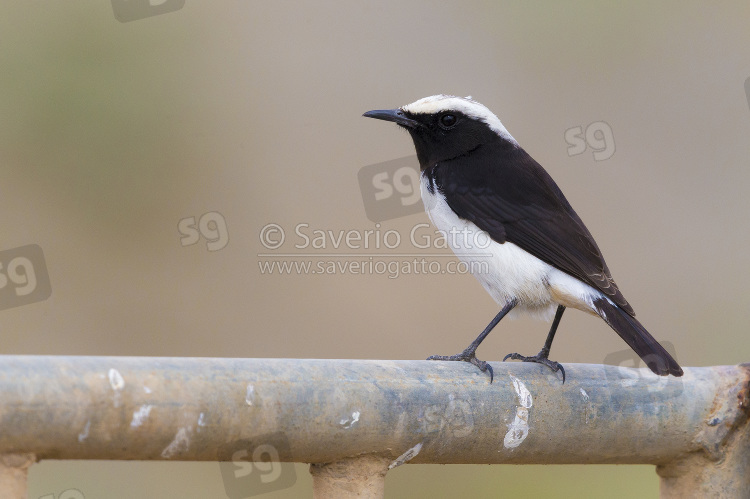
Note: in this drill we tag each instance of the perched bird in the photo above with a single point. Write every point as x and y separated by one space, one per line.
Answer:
477 180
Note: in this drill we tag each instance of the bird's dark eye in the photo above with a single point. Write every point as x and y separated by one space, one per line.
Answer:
448 120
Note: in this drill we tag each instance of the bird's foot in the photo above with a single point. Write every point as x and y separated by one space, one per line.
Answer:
469 356
539 358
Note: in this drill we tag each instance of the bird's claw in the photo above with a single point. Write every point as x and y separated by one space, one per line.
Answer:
471 358
539 359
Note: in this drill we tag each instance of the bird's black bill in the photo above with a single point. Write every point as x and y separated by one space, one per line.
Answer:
395 115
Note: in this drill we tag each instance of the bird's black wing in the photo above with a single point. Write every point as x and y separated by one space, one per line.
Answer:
511 197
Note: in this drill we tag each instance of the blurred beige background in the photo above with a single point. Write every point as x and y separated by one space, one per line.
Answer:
111 133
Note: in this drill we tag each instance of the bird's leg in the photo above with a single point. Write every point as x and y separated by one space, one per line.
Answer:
543 356
469 355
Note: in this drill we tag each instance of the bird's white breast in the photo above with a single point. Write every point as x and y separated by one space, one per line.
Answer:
505 270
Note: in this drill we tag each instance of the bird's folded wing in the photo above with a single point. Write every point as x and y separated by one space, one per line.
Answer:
522 204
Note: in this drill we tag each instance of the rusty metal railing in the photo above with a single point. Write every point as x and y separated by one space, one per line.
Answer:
353 420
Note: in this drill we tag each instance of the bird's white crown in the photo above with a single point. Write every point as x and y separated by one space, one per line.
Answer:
466 105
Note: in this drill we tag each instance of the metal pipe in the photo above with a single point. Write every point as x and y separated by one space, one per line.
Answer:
14 470
327 411
362 477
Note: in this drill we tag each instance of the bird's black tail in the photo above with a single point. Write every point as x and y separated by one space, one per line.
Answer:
635 335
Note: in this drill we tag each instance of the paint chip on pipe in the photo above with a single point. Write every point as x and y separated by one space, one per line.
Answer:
518 430
406 456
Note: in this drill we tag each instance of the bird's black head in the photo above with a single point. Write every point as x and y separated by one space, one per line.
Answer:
445 127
